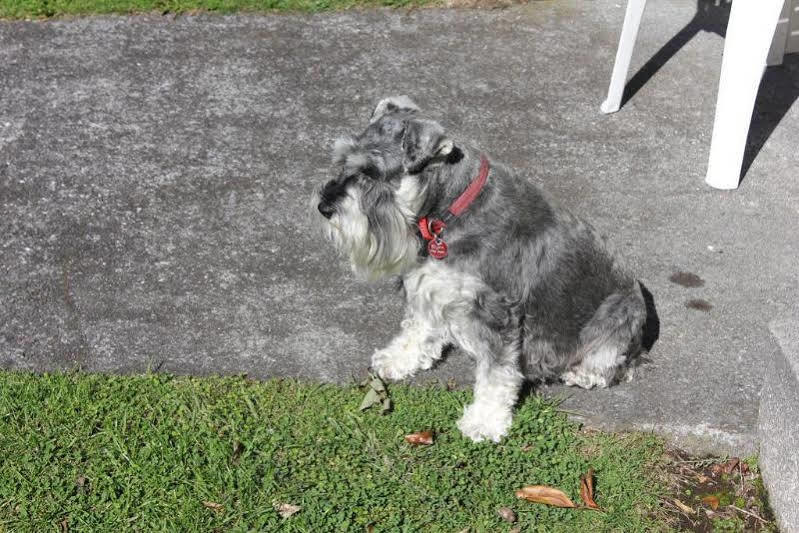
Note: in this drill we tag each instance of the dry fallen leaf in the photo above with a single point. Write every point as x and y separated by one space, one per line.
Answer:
285 510
684 508
63 525
712 501
371 398
83 484
422 437
587 489
215 507
238 449
376 395
730 465
507 514
546 495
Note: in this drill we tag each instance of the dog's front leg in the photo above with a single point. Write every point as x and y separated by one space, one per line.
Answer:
497 381
417 347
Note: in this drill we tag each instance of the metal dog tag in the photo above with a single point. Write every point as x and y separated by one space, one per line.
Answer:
437 248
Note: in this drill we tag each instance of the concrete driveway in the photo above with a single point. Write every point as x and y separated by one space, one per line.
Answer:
154 176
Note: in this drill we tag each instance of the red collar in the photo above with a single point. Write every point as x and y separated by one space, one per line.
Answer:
431 228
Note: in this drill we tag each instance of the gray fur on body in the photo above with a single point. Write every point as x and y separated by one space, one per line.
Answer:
527 289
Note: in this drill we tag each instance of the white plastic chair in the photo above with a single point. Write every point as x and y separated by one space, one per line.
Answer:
758 31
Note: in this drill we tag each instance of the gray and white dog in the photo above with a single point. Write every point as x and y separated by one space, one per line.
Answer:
487 263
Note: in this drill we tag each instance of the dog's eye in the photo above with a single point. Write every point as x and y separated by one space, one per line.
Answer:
371 171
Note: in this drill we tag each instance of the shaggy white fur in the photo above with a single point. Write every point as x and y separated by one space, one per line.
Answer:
440 300
370 257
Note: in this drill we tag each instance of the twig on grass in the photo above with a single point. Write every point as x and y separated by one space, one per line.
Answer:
753 515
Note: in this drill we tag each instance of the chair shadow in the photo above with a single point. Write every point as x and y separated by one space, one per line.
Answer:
779 87
709 17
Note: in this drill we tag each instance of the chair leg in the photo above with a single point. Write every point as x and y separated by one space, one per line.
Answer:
749 35
629 31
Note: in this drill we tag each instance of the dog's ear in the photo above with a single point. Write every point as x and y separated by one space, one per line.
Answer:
346 151
424 142
391 104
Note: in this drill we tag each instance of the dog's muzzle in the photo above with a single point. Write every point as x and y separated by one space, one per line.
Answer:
333 190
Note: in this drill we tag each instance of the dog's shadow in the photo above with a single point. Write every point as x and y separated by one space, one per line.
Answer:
651 332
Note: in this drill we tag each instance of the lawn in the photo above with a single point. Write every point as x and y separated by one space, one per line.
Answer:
83 452
15 9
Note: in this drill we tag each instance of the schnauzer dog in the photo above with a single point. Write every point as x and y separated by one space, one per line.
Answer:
486 261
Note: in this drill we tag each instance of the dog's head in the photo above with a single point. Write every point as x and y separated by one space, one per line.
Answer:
370 208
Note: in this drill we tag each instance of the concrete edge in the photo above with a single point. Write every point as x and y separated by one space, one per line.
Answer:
778 425
700 439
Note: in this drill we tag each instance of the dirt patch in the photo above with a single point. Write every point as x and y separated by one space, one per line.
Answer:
714 494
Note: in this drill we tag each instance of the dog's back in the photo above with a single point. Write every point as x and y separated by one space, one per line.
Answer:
576 303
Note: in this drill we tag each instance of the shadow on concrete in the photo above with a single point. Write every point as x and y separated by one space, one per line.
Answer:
652 324
709 17
779 88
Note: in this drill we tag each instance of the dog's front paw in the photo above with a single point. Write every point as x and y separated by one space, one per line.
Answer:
482 422
394 366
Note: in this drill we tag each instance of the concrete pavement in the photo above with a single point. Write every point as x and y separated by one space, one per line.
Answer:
154 176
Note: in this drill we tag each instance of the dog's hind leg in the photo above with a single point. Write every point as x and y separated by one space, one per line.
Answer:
609 341
417 347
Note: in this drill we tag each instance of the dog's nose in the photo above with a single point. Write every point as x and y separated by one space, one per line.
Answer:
326 209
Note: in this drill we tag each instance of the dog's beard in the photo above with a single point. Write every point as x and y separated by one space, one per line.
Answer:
382 241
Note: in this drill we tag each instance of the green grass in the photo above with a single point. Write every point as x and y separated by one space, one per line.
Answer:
144 453
16 9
